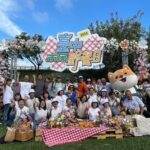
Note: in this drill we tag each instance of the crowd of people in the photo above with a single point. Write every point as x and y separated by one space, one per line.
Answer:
43 100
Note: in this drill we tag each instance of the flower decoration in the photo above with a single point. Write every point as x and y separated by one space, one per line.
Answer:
124 44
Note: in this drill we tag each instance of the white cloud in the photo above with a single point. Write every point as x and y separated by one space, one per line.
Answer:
64 4
8 9
40 16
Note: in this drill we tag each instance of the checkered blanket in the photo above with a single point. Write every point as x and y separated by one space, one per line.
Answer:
56 136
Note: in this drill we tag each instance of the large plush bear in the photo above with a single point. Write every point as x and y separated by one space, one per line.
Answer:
123 79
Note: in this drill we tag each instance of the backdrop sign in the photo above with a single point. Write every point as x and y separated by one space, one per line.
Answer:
67 51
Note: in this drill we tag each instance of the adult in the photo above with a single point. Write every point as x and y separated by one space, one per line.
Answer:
25 85
39 86
105 85
133 104
51 88
82 86
7 98
92 96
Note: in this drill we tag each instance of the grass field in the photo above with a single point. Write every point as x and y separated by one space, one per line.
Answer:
132 143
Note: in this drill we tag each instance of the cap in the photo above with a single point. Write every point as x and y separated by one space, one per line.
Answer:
80 77
32 91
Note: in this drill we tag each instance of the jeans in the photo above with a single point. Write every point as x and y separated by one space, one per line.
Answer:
6 113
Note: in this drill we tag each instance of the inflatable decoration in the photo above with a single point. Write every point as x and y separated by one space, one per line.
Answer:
123 79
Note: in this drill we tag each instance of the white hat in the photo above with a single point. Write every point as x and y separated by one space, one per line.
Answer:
103 90
32 91
60 89
94 101
55 100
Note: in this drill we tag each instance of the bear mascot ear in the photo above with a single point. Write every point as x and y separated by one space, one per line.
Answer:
126 67
110 76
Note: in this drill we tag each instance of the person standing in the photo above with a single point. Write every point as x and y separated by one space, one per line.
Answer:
82 86
7 98
39 86
25 86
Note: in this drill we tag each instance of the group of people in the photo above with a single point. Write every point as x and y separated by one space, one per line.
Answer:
43 100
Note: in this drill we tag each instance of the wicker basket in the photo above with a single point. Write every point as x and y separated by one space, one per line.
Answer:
10 135
24 135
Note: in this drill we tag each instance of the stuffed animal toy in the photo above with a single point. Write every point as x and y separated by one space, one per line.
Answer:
123 79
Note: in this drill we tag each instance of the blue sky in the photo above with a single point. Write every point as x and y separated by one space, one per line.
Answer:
48 17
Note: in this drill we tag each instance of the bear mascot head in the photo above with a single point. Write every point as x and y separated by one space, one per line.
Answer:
123 79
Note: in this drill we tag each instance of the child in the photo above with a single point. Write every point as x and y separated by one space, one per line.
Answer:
94 111
31 102
40 113
82 106
56 109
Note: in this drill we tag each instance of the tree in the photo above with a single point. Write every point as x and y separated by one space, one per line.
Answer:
30 47
148 44
119 29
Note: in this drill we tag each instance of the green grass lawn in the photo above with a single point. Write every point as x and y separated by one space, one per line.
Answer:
131 143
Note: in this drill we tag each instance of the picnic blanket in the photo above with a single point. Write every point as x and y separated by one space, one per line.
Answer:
59 136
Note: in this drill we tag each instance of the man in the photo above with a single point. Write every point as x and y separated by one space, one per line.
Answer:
133 104
39 86
25 86
82 86
92 96
105 85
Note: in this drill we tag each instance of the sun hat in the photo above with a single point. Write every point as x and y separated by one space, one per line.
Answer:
103 90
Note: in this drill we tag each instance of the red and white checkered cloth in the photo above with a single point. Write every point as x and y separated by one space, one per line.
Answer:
93 43
56 136
51 48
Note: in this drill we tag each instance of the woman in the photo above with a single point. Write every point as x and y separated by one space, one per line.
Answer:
71 94
7 98
94 111
102 98
61 97
69 110
40 113
47 99
82 106
114 104
56 109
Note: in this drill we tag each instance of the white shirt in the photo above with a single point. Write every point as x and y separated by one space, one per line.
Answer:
7 95
114 103
25 88
62 100
91 98
82 108
48 104
30 104
93 113
55 112
22 112
40 114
